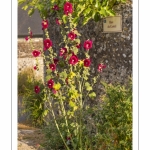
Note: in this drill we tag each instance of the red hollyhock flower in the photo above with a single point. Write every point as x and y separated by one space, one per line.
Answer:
26 38
72 35
50 83
55 61
87 62
87 44
31 34
47 44
101 67
62 51
58 22
37 89
78 45
52 67
44 24
36 53
55 7
34 67
73 59
68 8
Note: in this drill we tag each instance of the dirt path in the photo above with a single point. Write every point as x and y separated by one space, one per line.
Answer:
29 138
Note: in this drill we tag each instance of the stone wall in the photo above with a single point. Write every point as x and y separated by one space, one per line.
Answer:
25 58
112 49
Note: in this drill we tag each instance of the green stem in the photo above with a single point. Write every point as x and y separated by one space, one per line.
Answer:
57 125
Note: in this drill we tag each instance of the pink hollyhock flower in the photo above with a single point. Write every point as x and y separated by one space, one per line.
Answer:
36 53
54 91
72 35
68 8
55 61
37 89
44 24
50 83
78 45
87 44
47 44
52 67
101 67
87 62
34 67
26 38
62 51
73 59
55 7
58 22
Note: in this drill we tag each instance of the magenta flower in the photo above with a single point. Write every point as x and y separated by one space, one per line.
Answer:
31 34
50 83
78 45
34 67
72 35
73 59
68 8
55 7
37 89
58 22
87 62
62 51
88 44
101 67
52 67
54 91
44 24
55 61
26 38
36 53
47 44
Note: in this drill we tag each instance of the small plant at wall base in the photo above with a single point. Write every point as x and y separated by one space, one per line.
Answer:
68 86
32 102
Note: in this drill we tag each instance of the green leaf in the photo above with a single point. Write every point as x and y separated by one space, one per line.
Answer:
64 18
25 7
97 17
31 11
92 95
48 77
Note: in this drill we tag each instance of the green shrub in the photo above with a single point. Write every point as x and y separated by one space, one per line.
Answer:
114 125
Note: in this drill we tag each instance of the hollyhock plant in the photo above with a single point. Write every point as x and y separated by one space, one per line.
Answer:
72 35
87 44
36 53
52 67
31 34
68 8
55 7
50 83
73 60
87 62
101 67
37 89
47 44
44 24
